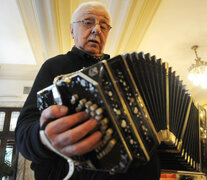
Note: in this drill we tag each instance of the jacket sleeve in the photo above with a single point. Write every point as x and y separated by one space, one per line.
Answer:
27 130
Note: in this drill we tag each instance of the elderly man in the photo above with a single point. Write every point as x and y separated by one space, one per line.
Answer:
89 28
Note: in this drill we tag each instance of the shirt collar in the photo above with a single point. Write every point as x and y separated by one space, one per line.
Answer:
85 55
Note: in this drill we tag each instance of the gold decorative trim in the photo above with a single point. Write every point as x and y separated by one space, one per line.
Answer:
167 137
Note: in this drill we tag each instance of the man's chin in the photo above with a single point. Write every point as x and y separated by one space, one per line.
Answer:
93 51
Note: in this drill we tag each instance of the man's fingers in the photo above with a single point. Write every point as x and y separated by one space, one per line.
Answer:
69 134
84 146
66 122
75 134
53 111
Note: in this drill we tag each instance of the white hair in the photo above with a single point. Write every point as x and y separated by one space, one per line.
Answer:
89 4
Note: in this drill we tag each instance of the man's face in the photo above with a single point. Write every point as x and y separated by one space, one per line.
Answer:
90 40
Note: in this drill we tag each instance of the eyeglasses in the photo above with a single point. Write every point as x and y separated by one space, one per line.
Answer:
91 23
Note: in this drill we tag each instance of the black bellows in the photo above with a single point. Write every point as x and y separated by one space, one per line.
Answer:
141 106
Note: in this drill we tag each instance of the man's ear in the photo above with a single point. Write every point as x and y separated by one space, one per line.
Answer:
71 31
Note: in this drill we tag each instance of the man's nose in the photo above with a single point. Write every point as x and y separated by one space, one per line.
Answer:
96 29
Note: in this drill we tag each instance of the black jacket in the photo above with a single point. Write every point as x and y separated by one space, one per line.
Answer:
46 164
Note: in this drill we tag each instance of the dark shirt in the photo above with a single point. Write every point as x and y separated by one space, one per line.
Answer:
45 163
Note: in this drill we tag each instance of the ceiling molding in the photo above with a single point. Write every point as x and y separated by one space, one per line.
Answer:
31 26
45 15
141 16
63 11
12 103
119 16
18 72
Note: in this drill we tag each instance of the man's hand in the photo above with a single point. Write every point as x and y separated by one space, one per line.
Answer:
65 136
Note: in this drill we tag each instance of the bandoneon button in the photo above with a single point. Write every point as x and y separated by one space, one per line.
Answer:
93 107
74 98
99 111
82 101
88 104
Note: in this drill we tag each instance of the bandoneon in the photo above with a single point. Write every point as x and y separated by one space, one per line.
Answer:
141 106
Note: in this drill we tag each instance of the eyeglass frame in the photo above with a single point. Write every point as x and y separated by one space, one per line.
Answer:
85 25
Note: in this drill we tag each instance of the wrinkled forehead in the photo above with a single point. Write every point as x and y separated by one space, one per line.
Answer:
93 11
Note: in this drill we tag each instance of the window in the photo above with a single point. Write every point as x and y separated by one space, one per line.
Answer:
2 119
8 154
13 120
8 158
